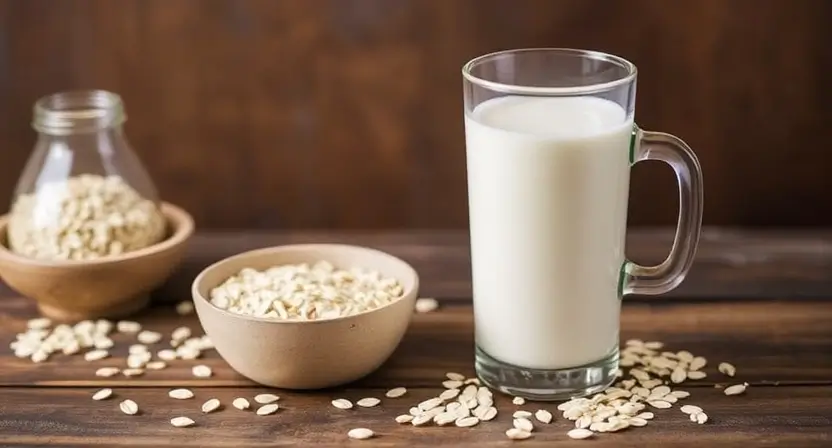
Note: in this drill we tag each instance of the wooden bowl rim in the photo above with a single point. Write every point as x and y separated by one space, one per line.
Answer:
412 291
177 218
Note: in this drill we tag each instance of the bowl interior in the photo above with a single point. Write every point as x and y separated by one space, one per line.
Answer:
342 256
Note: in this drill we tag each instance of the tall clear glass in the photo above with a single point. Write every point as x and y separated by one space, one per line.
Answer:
550 139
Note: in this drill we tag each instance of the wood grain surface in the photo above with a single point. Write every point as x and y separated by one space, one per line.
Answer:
780 346
730 263
764 416
340 114
740 264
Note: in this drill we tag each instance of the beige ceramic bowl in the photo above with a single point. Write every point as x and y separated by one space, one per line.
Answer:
308 354
108 287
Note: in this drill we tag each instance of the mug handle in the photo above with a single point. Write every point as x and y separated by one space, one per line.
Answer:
659 279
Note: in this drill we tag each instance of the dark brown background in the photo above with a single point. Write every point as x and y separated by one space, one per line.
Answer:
348 114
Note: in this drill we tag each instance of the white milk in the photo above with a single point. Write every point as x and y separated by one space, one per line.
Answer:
548 182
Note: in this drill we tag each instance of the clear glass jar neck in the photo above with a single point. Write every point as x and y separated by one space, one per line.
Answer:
78 112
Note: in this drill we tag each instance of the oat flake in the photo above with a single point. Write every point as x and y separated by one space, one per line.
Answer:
396 392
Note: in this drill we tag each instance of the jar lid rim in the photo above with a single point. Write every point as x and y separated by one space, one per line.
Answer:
78 111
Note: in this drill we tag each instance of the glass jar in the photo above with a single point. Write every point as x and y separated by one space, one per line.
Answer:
84 193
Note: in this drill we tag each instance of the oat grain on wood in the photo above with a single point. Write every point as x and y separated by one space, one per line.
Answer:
796 415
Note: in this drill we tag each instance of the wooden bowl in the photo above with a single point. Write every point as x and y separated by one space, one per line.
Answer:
307 354
110 287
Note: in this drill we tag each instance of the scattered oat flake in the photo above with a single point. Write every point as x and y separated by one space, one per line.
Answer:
166 354
180 334
698 363
181 394
268 409
519 401
645 415
102 394
107 371
368 402
426 305
181 422
135 362
444 418
360 433
266 398
727 369
156 365
598 426
521 414
696 375
449 394
736 389
543 416
210 405
619 425
680 393
342 403
579 433
488 414
149 337
103 343
649 384
241 403
202 371
72 348
430 404
629 408
421 419
186 352
404 418
660 391
129 407
132 372
701 418
128 326
637 421
517 434
184 308
641 392
95 355
455 376
39 323
639 374
137 349
690 409
523 424
659 404
452 384
396 392
466 422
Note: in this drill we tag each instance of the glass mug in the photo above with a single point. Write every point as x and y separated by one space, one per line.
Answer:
550 140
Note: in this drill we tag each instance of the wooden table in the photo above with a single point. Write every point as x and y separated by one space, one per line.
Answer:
759 300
